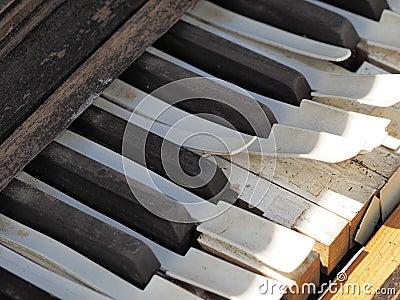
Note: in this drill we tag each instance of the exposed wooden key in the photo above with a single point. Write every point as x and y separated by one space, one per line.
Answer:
108 130
108 192
233 63
125 256
15 288
149 73
368 8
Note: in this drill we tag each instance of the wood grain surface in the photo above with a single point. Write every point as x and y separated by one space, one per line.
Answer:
91 78
376 267
22 29
52 52
13 12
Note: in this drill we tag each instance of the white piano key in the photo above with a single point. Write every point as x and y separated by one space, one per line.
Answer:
44 279
283 141
320 117
384 33
220 17
237 283
310 115
366 89
301 245
61 259
389 142
196 267
266 241
151 107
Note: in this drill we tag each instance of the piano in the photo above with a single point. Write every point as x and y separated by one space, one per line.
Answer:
199 149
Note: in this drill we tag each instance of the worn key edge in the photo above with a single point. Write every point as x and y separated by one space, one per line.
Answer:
60 259
265 33
109 192
43 278
108 247
180 267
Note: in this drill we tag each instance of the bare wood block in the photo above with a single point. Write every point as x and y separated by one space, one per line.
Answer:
344 189
282 206
381 160
379 260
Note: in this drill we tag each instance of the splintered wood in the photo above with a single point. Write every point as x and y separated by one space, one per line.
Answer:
375 272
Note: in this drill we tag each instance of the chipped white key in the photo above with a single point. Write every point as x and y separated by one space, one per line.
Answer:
394 5
320 117
264 239
220 17
70 264
196 267
366 89
384 33
283 141
113 160
43 278
310 115
237 283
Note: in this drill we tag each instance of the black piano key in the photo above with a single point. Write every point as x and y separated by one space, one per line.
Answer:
234 63
299 17
150 72
116 251
108 192
368 8
13 287
108 130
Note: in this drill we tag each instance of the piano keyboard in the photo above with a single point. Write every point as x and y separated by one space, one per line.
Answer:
137 199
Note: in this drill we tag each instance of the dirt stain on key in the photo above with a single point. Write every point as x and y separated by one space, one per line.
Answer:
23 233
235 187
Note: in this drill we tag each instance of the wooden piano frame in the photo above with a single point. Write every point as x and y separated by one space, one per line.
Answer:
336 204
